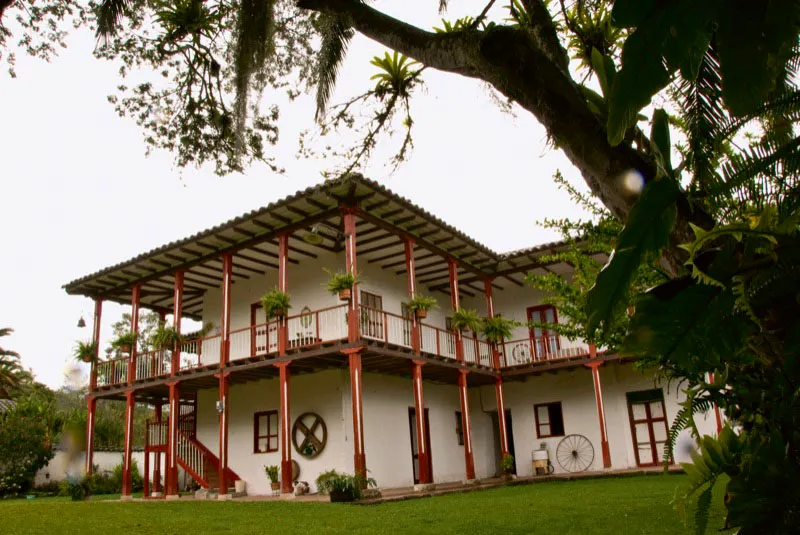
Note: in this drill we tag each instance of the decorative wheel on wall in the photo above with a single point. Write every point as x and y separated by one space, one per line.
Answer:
575 453
312 433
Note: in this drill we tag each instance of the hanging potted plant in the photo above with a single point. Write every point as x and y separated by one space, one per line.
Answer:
466 319
498 328
124 342
165 337
341 283
85 351
272 474
421 304
275 303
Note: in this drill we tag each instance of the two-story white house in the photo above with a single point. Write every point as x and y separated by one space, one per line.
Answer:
363 384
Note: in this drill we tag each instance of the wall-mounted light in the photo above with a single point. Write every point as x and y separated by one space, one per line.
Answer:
315 237
220 406
81 322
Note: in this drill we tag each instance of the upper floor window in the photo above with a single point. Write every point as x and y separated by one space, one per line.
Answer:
549 420
265 432
370 300
545 342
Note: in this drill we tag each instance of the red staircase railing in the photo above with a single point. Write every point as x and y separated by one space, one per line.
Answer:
199 462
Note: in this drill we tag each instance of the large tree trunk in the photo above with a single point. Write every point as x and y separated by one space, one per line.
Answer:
529 67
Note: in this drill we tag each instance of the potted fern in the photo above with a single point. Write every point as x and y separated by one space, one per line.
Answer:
275 303
466 319
498 328
85 351
165 337
421 305
343 487
272 474
124 342
341 283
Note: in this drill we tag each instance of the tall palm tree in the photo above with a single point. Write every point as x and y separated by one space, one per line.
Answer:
10 368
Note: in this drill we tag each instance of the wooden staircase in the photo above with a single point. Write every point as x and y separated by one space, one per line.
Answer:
200 463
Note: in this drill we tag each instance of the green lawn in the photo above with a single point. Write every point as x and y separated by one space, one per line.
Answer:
597 506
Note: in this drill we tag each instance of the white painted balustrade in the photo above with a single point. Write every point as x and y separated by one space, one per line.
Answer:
191 455
200 352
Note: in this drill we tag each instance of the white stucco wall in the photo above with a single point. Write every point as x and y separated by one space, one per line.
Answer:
63 464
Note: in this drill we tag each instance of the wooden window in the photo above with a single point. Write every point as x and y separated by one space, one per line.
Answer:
372 315
372 301
265 432
545 343
549 420
459 429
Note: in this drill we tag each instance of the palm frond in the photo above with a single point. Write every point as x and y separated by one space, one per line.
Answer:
336 36
685 420
254 43
442 6
109 16
786 104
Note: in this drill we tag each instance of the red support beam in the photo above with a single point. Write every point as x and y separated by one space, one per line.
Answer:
419 413
90 418
416 343
177 313
501 415
487 288
594 365
285 420
157 460
127 458
98 314
283 285
223 436
172 441
455 301
351 265
227 276
146 475
135 302
356 394
469 459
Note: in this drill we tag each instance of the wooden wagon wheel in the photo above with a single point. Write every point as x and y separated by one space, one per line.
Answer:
314 436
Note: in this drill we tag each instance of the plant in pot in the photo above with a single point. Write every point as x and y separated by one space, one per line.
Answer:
466 319
124 342
343 487
498 328
421 305
341 283
272 474
85 351
507 466
275 303
165 337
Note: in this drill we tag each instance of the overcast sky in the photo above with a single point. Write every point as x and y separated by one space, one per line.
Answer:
78 193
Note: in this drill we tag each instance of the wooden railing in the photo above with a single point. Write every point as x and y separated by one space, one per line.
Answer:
200 352
385 327
154 363
256 340
317 327
538 349
156 434
193 457
112 372
438 341
477 351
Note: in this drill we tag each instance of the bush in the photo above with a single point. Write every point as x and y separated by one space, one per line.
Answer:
105 483
137 483
51 488
343 487
25 447
77 490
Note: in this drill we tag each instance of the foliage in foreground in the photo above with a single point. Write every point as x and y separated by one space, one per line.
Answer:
26 445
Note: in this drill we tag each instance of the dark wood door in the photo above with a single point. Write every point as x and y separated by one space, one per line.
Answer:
649 429
412 424
543 342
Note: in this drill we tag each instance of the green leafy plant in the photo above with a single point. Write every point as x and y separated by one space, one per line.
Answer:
343 487
124 342
26 445
464 319
85 351
340 281
421 304
507 463
276 303
396 76
165 337
77 490
498 328
137 482
272 473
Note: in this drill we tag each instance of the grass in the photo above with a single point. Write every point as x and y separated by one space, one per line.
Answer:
631 505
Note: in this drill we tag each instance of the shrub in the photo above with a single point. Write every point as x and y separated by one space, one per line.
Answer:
507 463
343 487
105 483
78 489
51 488
25 446
137 483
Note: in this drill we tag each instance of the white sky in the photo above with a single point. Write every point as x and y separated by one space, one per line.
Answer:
78 193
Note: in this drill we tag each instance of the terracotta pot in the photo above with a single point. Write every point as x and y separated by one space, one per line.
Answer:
125 349
86 358
276 487
338 496
422 314
344 295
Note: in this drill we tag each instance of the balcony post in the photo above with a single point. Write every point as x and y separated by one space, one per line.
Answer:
157 459
177 313
469 459
283 285
594 365
172 441
419 417
223 436
416 342
487 288
130 403
285 421
501 415
90 418
455 300
146 474
136 293
225 336
98 314
350 258
356 394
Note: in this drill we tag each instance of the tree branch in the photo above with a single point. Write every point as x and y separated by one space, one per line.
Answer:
544 30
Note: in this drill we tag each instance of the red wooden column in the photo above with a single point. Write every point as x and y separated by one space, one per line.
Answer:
157 460
469 459
498 384
92 406
127 457
98 314
172 441
353 317
283 285
594 365
356 394
455 300
285 419
177 313
419 414
146 475
135 298
416 344
224 350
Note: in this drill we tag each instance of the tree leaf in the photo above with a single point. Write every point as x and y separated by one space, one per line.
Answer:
604 69
646 232
630 13
659 138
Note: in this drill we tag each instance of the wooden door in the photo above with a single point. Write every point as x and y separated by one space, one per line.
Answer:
405 312
412 424
544 342
372 315
649 427
263 335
